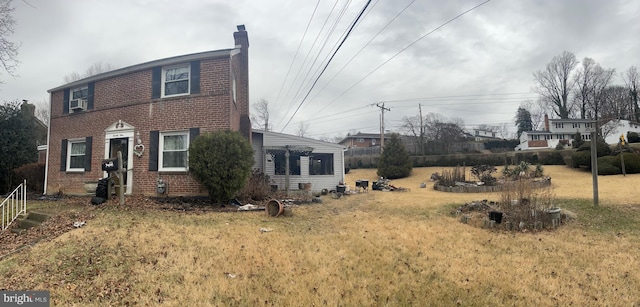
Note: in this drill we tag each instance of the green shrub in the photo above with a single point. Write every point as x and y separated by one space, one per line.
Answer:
606 166
33 173
602 148
581 158
577 140
560 146
633 137
394 162
221 161
631 162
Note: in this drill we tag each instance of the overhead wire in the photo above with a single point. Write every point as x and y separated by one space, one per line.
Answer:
325 67
306 80
297 51
402 50
307 56
363 47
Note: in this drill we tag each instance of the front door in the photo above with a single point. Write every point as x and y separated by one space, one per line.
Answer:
122 145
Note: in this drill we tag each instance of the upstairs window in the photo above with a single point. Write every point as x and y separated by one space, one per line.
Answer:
175 80
559 125
80 93
576 125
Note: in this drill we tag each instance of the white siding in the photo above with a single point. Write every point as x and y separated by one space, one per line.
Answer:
318 182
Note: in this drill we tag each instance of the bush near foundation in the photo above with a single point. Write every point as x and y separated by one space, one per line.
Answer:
221 161
33 173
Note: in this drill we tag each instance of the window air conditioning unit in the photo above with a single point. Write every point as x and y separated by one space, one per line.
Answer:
77 104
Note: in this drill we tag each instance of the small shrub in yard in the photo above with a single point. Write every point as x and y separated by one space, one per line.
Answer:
606 166
221 161
525 205
449 178
484 173
258 187
394 162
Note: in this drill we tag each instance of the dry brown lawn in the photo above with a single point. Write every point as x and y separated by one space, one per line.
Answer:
376 248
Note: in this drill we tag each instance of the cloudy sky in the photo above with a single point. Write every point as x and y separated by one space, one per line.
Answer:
477 67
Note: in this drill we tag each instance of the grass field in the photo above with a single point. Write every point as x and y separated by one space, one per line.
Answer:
376 248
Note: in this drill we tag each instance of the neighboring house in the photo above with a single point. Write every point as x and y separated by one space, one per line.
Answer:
484 135
310 161
150 112
556 131
360 140
617 127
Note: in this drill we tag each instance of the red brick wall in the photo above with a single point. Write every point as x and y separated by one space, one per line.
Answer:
128 98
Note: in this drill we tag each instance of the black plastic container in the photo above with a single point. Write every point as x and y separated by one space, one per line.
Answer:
495 216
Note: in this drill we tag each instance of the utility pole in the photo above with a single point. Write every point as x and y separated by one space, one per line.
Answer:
421 130
382 109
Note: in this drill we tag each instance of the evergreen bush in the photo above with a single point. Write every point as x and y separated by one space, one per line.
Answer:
394 162
221 161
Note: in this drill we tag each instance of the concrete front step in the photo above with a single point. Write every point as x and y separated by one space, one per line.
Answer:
33 219
38 216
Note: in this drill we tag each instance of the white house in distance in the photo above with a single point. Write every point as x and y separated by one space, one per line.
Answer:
562 131
484 135
556 131
613 129
310 161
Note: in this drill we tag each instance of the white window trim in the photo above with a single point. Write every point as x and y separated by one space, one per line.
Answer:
74 141
164 77
161 151
79 88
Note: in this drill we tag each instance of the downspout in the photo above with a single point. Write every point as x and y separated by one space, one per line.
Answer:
286 174
46 163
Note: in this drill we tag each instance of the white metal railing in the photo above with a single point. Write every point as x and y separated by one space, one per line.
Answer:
14 205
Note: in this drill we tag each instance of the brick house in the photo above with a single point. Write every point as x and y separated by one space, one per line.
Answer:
150 112
360 140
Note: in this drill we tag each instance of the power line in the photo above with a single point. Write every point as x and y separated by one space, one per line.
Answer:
363 47
325 67
402 50
297 50
307 56
304 83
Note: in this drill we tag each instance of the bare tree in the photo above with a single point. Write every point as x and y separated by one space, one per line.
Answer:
8 49
602 81
443 131
554 83
96 68
415 127
261 118
615 103
302 129
632 81
585 82
42 111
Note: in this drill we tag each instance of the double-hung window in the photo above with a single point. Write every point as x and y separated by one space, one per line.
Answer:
76 156
175 80
80 93
174 148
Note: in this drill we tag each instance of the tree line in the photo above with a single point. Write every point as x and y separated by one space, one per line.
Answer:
569 88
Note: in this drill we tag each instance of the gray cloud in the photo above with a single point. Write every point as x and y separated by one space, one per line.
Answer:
492 50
